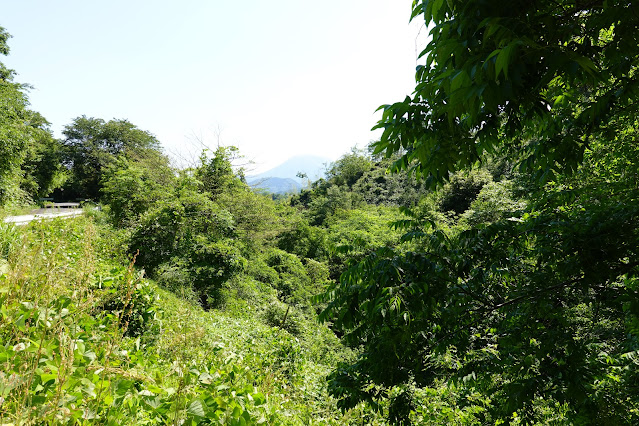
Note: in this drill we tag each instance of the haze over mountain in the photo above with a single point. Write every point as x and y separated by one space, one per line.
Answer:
312 165
283 178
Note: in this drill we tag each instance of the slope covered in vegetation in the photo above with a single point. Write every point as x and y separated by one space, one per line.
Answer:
476 265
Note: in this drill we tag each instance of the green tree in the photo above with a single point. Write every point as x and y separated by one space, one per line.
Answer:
25 141
5 73
131 187
378 186
43 171
534 308
189 233
349 168
91 145
217 174
538 80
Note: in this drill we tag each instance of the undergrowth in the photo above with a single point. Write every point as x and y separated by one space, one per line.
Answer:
86 339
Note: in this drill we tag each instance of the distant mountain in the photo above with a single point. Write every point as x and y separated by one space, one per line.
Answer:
312 165
276 185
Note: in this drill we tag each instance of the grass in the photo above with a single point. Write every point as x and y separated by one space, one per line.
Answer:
86 339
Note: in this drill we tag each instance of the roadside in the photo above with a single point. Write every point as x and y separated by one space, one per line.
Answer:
44 214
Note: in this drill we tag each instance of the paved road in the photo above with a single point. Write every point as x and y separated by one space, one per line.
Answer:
43 215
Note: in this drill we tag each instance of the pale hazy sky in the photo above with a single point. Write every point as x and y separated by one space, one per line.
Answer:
278 78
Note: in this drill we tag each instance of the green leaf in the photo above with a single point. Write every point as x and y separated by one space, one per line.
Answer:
586 64
196 409
45 378
123 387
503 61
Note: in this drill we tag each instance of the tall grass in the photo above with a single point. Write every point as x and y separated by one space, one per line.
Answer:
86 339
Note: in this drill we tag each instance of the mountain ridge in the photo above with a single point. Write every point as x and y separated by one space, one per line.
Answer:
312 165
283 179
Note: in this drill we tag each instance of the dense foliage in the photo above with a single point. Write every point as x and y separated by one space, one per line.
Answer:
29 160
529 302
91 145
88 339
539 79
476 265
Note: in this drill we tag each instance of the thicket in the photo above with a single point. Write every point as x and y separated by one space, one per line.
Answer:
524 305
86 339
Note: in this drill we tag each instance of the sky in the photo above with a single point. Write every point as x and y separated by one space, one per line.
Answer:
275 78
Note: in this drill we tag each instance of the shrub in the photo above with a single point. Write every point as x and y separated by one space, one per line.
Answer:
463 188
130 299
170 229
9 239
293 283
278 314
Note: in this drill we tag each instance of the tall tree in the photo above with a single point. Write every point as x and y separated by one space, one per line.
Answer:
539 79
24 140
92 144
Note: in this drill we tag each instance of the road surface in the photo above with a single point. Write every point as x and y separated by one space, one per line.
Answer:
43 214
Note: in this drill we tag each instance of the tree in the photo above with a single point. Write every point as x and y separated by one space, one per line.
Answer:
349 168
536 310
131 187
91 145
5 73
24 140
42 168
539 80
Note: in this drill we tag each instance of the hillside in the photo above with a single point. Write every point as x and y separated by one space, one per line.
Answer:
276 185
476 265
89 338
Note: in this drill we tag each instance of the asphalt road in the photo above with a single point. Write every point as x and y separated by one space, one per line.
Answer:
43 214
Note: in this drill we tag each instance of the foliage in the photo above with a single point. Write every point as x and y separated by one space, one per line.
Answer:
42 168
494 202
349 168
354 233
193 231
86 339
131 300
30 164
216 174
352 182
490 279
378 186
131 187
537 80
329 195
290 277
520 309
529 303
462 189
91 145
5 73
304 240
21 130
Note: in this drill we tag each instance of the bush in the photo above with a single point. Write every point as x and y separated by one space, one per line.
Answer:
463 188
176 278
493 201
9 239
171 229
278 314
131 300
212 263
293 283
